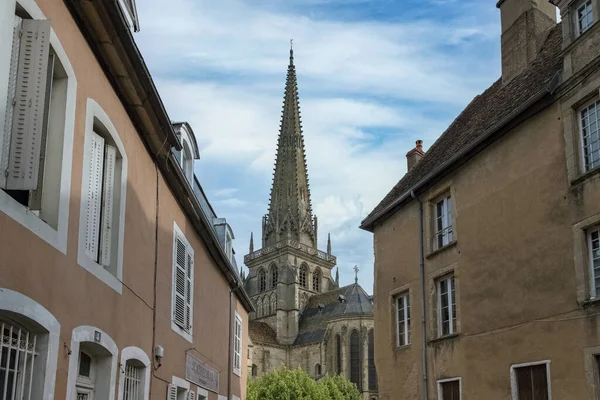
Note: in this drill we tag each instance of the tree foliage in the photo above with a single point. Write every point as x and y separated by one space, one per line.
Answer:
285 384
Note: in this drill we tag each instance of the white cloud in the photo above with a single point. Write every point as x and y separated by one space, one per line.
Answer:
368 90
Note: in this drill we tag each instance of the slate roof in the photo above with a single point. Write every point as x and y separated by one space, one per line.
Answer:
483 113
313 321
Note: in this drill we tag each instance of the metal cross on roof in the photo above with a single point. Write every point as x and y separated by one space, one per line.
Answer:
356 274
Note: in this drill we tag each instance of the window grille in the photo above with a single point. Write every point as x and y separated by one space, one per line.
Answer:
132 387
17 361
303 276
263 281
274 277
316 280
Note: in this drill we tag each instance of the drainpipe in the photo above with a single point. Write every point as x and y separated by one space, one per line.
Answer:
229 369
423 310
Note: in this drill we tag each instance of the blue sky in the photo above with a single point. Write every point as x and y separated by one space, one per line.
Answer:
373 76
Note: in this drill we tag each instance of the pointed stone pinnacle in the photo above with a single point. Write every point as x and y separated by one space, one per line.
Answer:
251 242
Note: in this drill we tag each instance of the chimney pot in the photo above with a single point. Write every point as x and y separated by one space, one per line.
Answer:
415 155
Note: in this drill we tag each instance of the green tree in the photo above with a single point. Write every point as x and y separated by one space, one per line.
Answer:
285 384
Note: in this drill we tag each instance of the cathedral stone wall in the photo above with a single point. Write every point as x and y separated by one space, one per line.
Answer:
267 358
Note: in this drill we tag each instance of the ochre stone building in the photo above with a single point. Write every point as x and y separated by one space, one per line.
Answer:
487 252
303 318
117 279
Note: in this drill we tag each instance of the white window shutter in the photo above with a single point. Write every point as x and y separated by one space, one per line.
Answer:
171 392
93 196
189 289
10 100
29 106
108 197
180 300
191 395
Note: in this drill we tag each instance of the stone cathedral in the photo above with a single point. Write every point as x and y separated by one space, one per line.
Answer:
303 317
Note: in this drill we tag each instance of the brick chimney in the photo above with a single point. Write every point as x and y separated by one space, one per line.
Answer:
415 155
524 27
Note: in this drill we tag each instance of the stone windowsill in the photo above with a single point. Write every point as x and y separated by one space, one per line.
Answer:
586 176
451 336
401 348
441 249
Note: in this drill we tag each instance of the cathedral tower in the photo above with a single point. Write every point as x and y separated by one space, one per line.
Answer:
289 268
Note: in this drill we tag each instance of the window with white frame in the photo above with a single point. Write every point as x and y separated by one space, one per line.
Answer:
183 282
33 134
402 320
237 345
584 16
443 222
594 254
446 308
450 389
102 197
134 369
180 389
589 120
531 381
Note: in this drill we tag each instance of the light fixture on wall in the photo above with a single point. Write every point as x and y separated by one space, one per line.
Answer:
159 353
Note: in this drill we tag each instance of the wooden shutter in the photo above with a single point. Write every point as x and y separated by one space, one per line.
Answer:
189 289
180 297
171 392
35 197
108 198
532 382
10 100
29 106
191 395
451 390
94 196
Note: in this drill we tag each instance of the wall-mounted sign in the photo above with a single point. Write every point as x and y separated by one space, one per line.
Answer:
201 374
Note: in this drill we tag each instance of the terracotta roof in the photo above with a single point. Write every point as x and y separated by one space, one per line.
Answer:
485 112
261 332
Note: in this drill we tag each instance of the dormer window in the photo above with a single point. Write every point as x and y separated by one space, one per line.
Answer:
189 150
584 16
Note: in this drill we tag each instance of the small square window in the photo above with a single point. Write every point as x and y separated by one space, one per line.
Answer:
584 17
449 389
530 381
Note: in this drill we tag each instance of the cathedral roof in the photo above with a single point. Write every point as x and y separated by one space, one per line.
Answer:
261 332
326 306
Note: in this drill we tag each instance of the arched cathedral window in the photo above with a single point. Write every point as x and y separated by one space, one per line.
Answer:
316 280
355 359
338 354
372 371
302 277
262 281
274 276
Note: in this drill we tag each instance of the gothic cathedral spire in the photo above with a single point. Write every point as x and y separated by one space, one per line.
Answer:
290 214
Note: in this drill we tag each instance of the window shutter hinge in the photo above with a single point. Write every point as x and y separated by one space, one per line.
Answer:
20 33
6 173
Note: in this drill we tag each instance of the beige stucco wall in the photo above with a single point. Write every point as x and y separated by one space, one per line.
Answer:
516 288
75 297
